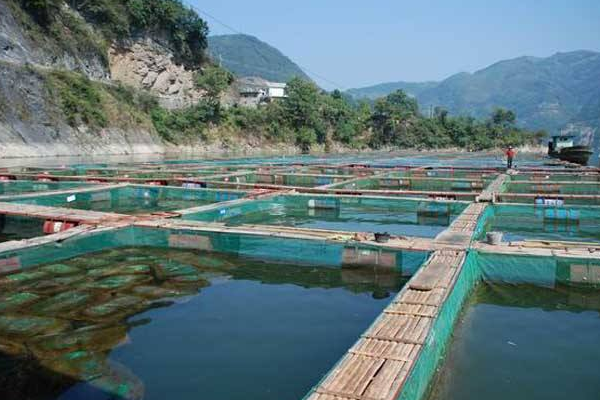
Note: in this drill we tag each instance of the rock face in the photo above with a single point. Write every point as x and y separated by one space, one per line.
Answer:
31 124
17 47
145 64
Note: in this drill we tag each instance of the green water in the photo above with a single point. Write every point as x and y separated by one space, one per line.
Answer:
135 206
133 199
146 323
554 188
550 223
395 216
349 218
524 342
17 228
20 187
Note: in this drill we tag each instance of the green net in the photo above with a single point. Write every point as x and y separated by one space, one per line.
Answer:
17 228
550 222
134 199
24 186
555 177
438 339
405 217
542 271
415 183
555 187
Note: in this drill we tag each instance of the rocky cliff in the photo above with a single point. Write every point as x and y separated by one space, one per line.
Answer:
45 112
145 64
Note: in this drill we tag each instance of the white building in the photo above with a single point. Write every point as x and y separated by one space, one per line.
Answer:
276 90
252 91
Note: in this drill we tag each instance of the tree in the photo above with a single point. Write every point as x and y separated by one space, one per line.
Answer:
305 138
503 117
441 114
400 103
301 106
214 80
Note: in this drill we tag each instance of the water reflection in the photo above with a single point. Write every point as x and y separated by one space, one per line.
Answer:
59 322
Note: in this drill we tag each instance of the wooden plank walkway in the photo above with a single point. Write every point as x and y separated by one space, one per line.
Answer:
378 364
60 214
489 193
404 243
461 230
85 189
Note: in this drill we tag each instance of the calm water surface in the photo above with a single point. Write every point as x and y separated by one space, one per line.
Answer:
524 342
146 323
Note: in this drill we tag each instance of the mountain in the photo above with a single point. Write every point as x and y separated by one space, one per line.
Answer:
552 93
246 55
383 89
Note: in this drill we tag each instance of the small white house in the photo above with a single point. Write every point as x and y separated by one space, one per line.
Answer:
253 91
276 90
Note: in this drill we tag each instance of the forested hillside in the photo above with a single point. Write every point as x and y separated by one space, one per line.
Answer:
546 93
246 55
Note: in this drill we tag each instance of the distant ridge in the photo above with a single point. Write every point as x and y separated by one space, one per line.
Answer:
246 55
552 93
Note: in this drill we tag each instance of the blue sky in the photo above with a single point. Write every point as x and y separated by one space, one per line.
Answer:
359 43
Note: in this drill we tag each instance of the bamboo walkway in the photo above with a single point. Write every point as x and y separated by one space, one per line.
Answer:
60 214
378 364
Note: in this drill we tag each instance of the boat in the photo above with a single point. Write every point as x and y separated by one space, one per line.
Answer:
563 148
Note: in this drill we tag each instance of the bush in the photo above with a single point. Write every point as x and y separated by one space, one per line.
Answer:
306 138
188 123
79 98
214 80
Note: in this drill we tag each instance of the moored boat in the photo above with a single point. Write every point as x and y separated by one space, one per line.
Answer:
563 148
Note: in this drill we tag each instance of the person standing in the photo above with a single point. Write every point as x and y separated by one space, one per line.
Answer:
510 155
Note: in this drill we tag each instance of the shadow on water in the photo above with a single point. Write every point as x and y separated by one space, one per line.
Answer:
60 322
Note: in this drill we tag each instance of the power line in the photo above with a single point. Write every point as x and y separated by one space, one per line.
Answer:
229 27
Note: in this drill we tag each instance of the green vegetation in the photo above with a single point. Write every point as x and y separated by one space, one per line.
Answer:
214 80
375 92
308 117
247 56
396 121
191 123
183 30
96 105
80 99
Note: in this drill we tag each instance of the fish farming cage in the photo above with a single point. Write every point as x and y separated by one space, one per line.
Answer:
486 268
584 190
156 177
292 179
70 304
447 173
397 216
15 187
129 199
296 211
416 183
556 222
